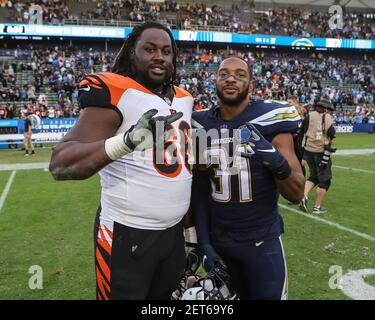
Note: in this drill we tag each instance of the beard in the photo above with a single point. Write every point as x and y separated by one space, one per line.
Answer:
153 81
150 81
236 100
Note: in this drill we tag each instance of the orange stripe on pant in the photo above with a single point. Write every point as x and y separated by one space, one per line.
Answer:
102 285
103 265
103 270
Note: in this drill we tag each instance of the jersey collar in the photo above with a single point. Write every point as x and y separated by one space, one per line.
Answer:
215 113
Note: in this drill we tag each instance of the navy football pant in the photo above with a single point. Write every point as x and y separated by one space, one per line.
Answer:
257 271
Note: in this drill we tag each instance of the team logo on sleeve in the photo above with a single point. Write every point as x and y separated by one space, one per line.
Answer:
85 87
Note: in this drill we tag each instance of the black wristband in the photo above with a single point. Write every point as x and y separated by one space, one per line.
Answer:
283 172
191 244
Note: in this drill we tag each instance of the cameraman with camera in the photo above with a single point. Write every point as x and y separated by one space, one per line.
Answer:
317 143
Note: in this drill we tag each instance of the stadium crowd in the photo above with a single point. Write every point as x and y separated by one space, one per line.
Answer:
308 23
54 11
362 114
297 21
281 75
277 76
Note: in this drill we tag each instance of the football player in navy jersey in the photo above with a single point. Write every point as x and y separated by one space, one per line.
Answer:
237 181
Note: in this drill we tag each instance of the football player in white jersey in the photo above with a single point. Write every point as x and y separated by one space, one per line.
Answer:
139 240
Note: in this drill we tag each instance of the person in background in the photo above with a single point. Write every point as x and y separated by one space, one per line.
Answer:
27 141
317 140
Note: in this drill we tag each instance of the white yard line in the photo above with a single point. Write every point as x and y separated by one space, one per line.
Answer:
24 166
353 169
350 152
6 189
330 223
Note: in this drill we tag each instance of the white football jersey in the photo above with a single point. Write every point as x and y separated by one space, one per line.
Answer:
136 191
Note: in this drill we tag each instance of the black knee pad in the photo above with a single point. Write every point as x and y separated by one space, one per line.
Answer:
325 184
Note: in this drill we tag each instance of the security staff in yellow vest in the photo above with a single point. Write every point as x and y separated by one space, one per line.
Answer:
318 135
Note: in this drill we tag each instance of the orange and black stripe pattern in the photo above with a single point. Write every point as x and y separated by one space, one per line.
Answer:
105 89
92 81
103 252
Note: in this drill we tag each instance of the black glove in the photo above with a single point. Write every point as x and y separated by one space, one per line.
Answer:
144 134
211 259
264 150
261 147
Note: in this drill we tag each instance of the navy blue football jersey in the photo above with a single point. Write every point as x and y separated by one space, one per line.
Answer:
244 196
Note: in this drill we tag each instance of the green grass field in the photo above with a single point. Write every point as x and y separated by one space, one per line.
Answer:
50 224
355 141
16 156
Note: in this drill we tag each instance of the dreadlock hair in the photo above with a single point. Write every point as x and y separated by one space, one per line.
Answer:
122 64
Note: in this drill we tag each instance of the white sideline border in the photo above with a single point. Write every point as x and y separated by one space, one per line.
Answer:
352 152
7 189
24 166
330 223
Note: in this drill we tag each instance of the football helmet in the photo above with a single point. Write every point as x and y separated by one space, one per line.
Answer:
189 277
214 285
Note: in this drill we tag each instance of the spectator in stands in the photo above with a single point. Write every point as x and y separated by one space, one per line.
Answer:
10 113
277 75
3 112
295 21
359 118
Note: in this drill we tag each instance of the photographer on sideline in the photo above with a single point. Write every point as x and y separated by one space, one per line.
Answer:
317 140
27 141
